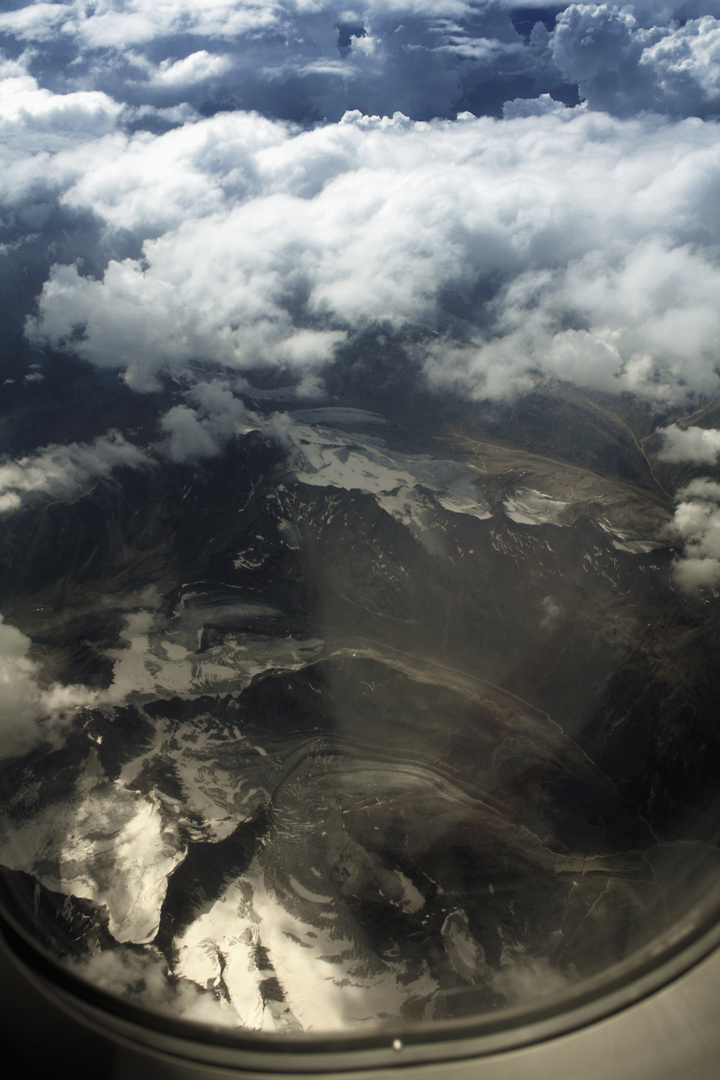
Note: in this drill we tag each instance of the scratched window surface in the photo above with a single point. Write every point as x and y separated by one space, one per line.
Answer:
359 498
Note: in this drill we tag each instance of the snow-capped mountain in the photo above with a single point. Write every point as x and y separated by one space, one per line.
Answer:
374 731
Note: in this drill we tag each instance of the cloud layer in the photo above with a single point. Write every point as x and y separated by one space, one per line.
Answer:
307 60
574 246
526 194
575 243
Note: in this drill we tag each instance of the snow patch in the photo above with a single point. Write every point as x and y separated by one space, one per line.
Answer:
529 507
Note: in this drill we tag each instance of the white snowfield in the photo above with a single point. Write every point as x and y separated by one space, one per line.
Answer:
528 507
324 457
109 845
410 487
285 916
163 656
328 983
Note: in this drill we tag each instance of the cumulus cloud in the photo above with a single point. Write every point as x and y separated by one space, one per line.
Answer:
144 979
200 432
576 248
701 488
628 57
191 69
64 471
643 316
697 525
697 515
149 184
29 714
685 66
34 22
22 101
700 445
539 106
187 438
34 117
666 12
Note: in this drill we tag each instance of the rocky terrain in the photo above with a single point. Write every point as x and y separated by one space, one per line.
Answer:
383 724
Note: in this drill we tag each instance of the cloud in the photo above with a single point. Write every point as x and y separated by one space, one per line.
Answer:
64 471
556 244
701 488
643 315
526 978
685 66
299 60
29 113
427 58
20 702
699 445
191 69
200 432
697 525
28 714
625 58
649 13
114 24
144 979
35 22
187 438
573 247
148 184
539 106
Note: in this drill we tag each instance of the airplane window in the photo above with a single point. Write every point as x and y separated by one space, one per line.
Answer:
359 516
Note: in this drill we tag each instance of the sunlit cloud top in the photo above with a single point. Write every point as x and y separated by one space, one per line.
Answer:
526 193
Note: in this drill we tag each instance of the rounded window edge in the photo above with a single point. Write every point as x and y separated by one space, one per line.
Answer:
193 1046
